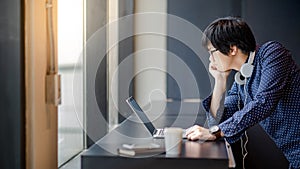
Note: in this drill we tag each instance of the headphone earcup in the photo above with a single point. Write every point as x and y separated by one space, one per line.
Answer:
246 70
239 78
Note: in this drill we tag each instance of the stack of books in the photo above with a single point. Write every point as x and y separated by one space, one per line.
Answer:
140 150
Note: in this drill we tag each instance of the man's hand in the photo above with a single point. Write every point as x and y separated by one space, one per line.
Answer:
199 133
217 74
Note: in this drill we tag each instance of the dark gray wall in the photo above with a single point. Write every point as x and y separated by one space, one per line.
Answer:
12 142
200 13
275 20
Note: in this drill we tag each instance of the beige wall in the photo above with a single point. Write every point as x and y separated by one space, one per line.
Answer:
150 58
41 120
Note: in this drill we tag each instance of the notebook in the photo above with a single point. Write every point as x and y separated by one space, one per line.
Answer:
140 149
156 133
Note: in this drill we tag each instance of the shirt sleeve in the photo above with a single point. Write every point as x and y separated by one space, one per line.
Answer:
274 72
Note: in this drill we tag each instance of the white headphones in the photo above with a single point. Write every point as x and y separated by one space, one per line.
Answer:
246 71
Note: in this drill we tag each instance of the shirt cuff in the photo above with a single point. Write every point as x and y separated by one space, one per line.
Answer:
233 139
228 134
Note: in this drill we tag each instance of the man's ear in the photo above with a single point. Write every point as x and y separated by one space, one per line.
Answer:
233 50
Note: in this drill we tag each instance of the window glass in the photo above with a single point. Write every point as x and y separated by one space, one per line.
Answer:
70 63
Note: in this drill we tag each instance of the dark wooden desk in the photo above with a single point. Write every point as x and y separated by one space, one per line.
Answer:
208 155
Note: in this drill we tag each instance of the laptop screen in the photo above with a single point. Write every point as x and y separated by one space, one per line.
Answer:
141 114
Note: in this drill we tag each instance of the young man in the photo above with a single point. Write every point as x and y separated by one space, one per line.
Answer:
266 88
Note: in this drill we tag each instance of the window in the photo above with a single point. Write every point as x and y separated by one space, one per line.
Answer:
70 63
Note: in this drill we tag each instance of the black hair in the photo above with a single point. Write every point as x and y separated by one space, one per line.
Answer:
229 31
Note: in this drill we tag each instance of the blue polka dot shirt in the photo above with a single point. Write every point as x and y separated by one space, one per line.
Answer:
270 97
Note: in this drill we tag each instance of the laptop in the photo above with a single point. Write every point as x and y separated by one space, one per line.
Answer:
156 133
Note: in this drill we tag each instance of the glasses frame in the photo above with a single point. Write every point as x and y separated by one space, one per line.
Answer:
211 52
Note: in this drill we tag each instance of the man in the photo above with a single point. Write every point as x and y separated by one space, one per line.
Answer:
266 88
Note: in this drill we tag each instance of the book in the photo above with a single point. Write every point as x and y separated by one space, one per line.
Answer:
135 150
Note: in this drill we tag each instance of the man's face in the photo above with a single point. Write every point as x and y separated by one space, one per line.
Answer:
220 61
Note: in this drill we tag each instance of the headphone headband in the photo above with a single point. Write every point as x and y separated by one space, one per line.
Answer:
251 57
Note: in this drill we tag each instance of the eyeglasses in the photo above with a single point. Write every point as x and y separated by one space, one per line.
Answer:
211 52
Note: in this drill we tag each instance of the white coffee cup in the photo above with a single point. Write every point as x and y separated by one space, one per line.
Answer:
173 140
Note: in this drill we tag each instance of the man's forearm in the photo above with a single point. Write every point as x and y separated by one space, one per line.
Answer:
218 93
